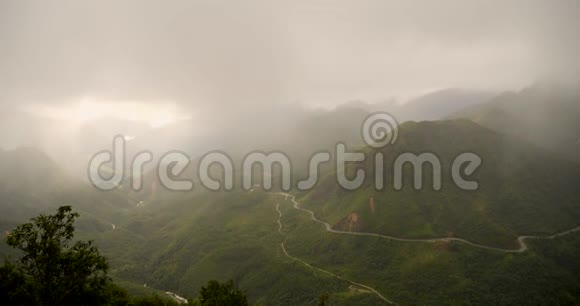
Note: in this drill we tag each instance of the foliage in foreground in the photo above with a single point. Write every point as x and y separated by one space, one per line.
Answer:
216 293
54 271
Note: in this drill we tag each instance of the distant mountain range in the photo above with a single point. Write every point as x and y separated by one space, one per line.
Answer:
431 106
523 189
548 116
176 241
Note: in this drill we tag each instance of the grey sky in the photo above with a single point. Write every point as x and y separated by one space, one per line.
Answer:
74 73
210 54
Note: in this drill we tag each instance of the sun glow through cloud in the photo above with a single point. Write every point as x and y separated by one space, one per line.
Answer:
155 114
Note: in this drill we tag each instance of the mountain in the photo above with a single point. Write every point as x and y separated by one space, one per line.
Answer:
29 182
545 115
434 105
29 167
176 241
179 240
523 189
32 183
179 245
438 104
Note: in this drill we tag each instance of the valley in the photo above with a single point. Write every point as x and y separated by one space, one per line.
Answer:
289 153
514 239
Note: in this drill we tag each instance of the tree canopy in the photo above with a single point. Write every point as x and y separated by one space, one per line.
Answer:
55 270
52 269
227 293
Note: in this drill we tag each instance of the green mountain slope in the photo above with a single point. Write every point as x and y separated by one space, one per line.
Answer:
205 235
522 190
410 273
176 241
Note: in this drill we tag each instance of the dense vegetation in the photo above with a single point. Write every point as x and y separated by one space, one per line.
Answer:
157 241
179 245
51 271
441 273
523 190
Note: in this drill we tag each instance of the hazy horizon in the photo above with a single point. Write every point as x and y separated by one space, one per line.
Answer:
75 73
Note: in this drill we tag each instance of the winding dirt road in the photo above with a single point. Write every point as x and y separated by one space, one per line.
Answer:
378 294
521 239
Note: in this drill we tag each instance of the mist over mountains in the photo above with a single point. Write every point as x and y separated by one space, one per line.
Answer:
175 241
478 92
525 113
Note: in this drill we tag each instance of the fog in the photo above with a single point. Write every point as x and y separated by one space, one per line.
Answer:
185 74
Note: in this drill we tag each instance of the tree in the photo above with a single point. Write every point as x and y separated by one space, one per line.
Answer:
323 299
153 300
14 290
51 271
217 294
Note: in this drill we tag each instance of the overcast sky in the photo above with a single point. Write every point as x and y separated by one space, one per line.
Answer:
176 59
245 66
